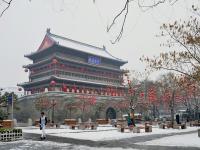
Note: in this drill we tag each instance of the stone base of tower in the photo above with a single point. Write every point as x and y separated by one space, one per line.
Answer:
61 105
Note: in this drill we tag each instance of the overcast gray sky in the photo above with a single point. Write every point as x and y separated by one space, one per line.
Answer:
23 27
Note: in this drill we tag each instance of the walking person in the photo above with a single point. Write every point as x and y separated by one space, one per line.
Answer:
43 122
132 118
129 122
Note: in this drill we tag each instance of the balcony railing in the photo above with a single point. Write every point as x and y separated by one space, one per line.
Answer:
81 76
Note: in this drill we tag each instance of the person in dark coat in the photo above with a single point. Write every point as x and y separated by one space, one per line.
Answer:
177 119
132 119
43 122
129 122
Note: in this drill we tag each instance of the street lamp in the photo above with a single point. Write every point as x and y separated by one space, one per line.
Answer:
9 98
53 104
0 94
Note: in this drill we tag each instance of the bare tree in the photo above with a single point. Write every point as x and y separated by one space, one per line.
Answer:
169 88
184 36
144 6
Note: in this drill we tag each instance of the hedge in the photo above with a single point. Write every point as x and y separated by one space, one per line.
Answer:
4 130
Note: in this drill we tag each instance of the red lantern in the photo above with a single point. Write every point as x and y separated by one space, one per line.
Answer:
54 61
52 83
74 88
64 88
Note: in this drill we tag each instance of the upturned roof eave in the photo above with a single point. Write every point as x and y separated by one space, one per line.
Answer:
31 55
103 67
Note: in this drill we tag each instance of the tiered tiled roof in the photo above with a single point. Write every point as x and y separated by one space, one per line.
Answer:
52 39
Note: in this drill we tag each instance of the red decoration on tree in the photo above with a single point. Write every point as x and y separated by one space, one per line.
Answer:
152 95
178 98
131 91
142 95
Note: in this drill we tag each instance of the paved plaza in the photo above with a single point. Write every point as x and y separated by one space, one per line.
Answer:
32 142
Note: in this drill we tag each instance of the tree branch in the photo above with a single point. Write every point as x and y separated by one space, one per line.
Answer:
122 27
150 6
176 70
116 17
182 44
8 5
125 9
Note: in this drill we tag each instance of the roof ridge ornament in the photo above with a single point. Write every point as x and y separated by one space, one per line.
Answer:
48 30
104 47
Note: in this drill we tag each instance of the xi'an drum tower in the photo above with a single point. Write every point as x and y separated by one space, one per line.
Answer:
71 79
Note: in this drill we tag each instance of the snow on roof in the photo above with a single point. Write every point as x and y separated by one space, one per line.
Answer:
83 47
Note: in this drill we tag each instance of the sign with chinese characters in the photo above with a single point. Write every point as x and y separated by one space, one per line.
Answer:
94 60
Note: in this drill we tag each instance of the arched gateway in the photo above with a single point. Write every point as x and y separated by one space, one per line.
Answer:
111 113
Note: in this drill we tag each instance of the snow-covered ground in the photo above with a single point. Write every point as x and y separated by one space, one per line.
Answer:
103 133
187 140
47 145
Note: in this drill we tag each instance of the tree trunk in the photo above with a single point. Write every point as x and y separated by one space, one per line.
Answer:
196 113
172 108
83 111
154 112
70 113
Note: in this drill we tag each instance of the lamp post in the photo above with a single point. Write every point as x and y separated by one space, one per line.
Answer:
53 104
9 98
12 96
0 92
